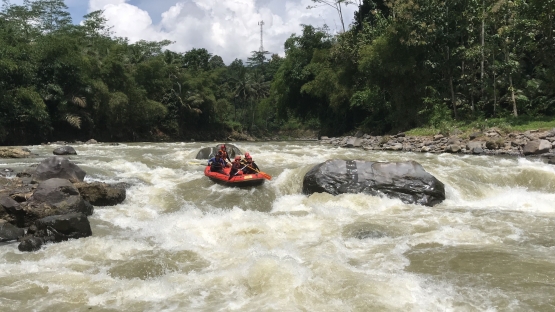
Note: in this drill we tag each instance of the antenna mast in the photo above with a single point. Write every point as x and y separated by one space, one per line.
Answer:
261 23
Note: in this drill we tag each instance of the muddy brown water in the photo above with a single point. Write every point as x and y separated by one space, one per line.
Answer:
182 243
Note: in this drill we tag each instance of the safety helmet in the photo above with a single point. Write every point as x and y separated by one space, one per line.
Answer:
237 158
247 155
222 147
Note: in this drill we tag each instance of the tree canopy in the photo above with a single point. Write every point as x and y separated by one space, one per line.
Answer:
400 64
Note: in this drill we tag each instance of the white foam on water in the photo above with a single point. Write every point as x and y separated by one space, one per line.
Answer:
298 256
455 236
289 181
509 199
290 203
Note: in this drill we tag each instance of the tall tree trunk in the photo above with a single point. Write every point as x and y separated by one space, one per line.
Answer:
450 73
453 101
253 109
507 59
515 112
451 88
511 88
494 86
341 15
483 40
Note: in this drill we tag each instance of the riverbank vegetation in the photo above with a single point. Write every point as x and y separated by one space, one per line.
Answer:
402 64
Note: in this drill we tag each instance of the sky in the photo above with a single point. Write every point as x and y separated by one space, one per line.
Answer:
228 28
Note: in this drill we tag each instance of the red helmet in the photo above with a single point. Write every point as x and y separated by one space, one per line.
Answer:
222 147
237 158
247 155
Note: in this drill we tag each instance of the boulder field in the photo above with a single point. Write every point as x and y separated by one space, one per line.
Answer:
51 204
489 142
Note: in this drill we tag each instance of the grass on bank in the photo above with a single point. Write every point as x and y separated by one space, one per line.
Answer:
505 125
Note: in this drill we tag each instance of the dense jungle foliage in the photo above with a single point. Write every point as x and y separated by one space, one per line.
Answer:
401 64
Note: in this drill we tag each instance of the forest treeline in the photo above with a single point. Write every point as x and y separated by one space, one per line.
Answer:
400 64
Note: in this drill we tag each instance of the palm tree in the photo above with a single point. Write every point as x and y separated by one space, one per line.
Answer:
250 87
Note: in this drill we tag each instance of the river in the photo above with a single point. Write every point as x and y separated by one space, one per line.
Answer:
179 242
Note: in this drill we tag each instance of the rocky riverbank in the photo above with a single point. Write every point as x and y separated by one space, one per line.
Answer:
490 142
50 202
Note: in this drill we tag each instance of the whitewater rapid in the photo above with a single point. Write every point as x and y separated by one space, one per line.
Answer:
179 242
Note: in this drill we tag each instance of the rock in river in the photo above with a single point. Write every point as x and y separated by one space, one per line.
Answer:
101 194
407 181
14 152
209 152
9 232
55 197
65 150
64 227
58 167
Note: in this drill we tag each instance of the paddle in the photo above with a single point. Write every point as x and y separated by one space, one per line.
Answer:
264 174
236 173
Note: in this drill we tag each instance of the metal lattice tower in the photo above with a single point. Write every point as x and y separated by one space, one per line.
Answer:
261 23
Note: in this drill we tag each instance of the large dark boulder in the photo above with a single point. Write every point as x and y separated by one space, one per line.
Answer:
63 227
9 232
101 194
58 167
55 197
65 150
209 152
407 181
55 229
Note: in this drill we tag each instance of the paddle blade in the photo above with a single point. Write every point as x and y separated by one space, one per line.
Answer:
265 175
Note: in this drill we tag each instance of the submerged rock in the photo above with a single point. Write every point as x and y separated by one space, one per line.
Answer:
30 244
363 230
407 181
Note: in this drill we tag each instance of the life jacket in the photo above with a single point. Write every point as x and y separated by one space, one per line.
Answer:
216 164
249 167
225 155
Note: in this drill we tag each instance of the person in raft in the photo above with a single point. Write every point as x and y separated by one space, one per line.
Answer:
250 166
217 164
236 167
225 156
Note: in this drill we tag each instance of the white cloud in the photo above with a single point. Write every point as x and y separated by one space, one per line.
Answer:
101 4
226 28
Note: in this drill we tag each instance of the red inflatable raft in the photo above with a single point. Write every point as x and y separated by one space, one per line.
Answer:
237 180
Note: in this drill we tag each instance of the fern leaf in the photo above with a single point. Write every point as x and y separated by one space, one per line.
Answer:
79 101
73 120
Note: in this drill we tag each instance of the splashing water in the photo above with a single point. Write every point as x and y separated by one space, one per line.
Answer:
180 242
